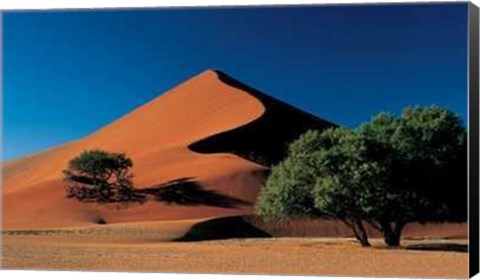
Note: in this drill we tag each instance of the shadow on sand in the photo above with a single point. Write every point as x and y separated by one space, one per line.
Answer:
223 228
448 247
186 191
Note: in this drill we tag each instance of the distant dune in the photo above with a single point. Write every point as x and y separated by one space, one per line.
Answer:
206 140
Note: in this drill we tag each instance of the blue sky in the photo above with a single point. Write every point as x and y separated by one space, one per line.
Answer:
66 74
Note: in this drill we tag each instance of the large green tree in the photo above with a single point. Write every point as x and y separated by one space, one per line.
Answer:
388 172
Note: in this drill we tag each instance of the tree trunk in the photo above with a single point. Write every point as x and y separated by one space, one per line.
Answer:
360 233
392 234
391 239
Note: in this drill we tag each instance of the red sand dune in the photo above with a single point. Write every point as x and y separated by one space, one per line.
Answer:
157 137
203 131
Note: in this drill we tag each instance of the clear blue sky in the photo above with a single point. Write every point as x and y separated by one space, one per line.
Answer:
67 74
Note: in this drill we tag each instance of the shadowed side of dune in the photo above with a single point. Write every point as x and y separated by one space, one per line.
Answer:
222 228
264 140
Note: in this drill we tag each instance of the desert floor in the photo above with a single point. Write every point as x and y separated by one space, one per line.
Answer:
296 256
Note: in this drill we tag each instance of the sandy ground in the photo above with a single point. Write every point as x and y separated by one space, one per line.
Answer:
295 256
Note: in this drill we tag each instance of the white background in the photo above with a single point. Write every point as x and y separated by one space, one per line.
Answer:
38 4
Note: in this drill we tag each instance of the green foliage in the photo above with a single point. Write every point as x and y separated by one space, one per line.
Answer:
99 176
424 156
388 172
287 191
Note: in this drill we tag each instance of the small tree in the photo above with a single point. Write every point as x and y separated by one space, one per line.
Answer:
388 173
99 176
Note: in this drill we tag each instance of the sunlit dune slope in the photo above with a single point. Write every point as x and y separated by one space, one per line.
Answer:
184 136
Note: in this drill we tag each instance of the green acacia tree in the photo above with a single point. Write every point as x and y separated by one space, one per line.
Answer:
388 172
99 176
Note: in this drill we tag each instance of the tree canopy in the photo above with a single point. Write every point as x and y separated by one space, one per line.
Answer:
99 176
